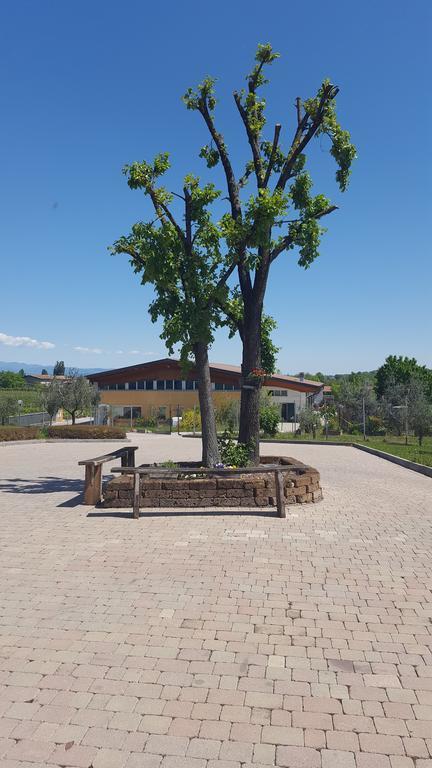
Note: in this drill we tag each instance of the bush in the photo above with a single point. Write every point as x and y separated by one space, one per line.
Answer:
269 419
227 415
19 433
309 421
234 454
86 432
187 421
375 426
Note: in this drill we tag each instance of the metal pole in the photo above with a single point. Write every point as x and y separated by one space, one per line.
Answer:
406 420
364 419
178 419
194 412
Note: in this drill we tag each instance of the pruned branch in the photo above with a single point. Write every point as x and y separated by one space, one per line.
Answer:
252 138
223 154
276 135
305 132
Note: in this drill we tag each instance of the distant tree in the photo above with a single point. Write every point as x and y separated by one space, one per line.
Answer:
59 368
353 391
77 394
399 370
309 421
419 408
8 407
269 415
392 414
44 372
51 396
11 380
21 372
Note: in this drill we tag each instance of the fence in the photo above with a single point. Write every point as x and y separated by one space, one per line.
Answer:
30 419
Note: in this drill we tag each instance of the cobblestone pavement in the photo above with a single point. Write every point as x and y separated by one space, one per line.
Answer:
215 641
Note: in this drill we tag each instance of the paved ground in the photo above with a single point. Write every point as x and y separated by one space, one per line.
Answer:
215 641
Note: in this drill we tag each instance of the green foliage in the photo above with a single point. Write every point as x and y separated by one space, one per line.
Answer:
59 368
8 407
191 420
11 380
77 395
309 420
233 454
169 464
227 415
400 370
269 416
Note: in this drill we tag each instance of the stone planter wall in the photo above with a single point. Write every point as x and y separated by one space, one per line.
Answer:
257 490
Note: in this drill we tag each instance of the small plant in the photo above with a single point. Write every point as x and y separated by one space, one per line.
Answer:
233 454
309 421
169 464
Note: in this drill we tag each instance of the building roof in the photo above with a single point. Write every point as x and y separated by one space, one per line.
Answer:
43 376
276 380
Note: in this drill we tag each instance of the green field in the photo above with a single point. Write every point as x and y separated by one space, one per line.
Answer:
31 397
390 444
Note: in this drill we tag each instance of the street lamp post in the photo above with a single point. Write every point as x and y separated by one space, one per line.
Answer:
405 408
20 402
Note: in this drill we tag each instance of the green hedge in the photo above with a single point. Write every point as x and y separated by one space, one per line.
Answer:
86 432
19 433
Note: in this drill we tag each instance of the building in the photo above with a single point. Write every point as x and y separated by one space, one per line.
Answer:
160 389
42 378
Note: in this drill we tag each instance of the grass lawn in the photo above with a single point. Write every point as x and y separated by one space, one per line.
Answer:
390 444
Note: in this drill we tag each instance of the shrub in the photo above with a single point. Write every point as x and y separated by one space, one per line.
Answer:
19 433
269 419
232 453
86 432
187 421
309 421
227 415
375 426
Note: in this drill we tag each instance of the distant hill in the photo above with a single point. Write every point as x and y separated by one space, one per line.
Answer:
37 368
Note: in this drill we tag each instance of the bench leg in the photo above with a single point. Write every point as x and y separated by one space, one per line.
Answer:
280 494
92 484
136 498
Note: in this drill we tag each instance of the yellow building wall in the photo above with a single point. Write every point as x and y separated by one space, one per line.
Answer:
151 400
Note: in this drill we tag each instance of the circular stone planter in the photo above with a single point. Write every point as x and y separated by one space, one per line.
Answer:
248 490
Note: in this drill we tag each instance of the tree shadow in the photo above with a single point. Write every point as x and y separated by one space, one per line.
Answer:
48 484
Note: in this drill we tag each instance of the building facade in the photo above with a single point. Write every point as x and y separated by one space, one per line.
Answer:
161 389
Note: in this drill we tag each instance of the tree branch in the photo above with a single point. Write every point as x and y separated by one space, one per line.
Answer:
276 135
252 138
302 136
287 241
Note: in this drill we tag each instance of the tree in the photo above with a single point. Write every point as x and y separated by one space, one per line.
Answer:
52 398
59 368
11 380
419 408
400 370
189 274
354 395
269 415
261 228
77 394
309 421
8 407
44 372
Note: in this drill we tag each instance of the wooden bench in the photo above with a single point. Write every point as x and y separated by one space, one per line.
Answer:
162 473
93 471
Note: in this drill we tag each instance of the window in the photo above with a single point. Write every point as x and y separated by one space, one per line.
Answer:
112 386
140 384
149 384
218 386
136 413
178 384
160 384
189 384
121 385
229 387
169 384
132 385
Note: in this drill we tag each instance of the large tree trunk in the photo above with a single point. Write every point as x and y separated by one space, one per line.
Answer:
210 448
250 392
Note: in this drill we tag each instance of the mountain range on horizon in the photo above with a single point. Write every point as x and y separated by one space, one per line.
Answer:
37 368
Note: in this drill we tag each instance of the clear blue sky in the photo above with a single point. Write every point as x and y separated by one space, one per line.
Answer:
89 86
